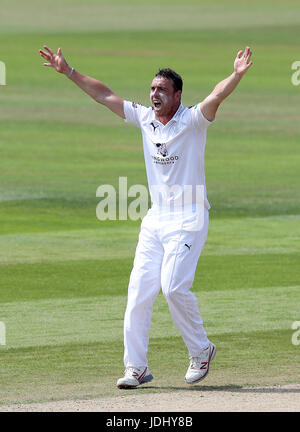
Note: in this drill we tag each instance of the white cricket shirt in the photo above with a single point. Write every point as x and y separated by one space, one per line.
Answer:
174 153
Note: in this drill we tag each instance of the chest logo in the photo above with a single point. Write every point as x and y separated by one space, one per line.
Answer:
162 149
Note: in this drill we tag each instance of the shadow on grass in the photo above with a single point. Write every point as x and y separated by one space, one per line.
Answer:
229 388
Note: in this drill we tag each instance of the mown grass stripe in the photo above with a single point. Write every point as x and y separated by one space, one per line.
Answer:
91 319
90 278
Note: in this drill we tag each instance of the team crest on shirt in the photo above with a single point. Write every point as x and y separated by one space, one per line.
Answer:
162 149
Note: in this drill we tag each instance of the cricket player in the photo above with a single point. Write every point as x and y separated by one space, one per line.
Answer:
174 230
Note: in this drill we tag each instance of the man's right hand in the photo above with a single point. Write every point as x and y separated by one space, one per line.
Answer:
94 88
57 61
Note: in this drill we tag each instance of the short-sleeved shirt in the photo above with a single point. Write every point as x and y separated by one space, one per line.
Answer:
174 153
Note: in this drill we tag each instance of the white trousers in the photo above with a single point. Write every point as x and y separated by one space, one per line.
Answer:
166 258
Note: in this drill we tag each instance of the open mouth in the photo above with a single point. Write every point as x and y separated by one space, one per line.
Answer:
157 104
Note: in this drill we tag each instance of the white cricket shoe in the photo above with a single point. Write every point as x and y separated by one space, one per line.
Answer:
199 366
134 377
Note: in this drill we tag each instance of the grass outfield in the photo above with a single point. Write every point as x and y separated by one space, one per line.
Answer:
64 274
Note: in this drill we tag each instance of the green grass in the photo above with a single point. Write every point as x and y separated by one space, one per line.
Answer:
64 274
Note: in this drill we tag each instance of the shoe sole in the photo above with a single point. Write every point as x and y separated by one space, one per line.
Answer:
211 357
144 380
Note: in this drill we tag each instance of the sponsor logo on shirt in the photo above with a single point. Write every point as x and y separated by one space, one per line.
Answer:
162 157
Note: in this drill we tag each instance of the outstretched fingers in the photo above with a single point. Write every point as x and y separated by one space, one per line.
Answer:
239 54
45 55
48 56
51 52
247 54
243 60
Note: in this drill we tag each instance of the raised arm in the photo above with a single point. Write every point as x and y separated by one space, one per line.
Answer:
94 88
211 103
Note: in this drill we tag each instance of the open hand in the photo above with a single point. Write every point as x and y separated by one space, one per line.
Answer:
242 62
57 61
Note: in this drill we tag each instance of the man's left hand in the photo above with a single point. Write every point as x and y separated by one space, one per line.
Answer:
242 62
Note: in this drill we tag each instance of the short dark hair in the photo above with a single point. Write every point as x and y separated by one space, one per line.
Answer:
172 75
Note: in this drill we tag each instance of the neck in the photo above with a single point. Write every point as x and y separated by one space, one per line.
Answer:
164 119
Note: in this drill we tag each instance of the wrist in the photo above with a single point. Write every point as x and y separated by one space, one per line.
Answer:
238 75
67 70
71 72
